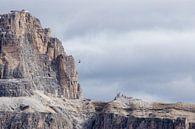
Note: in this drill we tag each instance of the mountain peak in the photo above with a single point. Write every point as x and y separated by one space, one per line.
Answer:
27 51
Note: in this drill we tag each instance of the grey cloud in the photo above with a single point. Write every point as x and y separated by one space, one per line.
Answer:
149 62
142 48
73 18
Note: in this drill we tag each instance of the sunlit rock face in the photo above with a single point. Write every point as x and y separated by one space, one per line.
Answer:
28 54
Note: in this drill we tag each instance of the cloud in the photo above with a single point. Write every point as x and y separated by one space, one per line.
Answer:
142 48
157 63
73 18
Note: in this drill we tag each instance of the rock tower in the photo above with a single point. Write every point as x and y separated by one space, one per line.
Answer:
30 59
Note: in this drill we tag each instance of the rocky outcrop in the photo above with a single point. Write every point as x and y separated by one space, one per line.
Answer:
39 88
129 113
40 111
10 120
114 121
28 52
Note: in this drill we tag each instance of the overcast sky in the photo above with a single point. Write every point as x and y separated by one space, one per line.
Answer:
142 48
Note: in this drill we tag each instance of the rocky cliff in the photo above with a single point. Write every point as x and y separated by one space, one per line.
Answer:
129 113
39 88
30 59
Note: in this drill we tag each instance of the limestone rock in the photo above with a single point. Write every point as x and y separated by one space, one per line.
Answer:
129 113
11 120
114 121
27 51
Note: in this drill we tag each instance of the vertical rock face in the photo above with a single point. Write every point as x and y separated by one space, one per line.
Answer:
113 121
128 113
32 121
28 52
